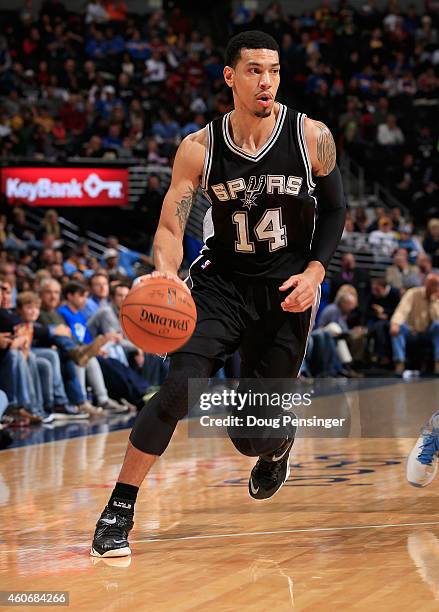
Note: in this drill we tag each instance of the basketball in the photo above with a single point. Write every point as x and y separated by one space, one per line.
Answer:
158 315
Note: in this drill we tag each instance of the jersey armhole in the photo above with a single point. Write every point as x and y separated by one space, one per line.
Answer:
207 158
304 151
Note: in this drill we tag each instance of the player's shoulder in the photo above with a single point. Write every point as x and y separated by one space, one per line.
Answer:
191 154
193 147
195 141
315 128
321 146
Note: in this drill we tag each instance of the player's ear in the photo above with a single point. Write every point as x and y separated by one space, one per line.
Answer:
229 74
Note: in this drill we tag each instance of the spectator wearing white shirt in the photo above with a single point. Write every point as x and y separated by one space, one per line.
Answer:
155 69
389 134
383 239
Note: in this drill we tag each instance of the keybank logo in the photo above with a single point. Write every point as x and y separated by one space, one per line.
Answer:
66 186
93 186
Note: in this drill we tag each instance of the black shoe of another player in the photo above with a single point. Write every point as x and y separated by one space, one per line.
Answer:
270 472
112 529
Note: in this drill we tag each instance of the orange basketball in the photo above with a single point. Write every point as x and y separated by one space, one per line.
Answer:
158 315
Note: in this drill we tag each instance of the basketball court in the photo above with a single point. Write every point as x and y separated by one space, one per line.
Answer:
345 532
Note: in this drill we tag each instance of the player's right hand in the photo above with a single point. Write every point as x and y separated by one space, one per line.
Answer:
157 274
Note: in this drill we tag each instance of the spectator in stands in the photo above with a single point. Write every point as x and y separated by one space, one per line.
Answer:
383 240
361 222
75 296
409 243
351 274
389 134
398 221
50 225
50 315
379 212
17 379
431 241
333 319
112 267
127 258
416 317
401 274
382 303
99 293
54 395
425 266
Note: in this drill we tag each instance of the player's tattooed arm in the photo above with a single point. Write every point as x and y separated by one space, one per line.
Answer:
321 147
184 206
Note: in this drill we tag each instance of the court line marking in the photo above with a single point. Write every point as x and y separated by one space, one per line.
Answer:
283 531
235 535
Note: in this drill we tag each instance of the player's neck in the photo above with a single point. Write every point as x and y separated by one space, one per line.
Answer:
249 132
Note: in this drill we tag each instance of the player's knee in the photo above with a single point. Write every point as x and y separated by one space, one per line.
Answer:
183 384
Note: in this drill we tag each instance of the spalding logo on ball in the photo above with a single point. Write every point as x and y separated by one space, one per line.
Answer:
158 315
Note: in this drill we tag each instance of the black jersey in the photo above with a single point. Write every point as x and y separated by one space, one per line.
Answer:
262 217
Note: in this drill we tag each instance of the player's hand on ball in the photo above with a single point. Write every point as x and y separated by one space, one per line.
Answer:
304 292
157 274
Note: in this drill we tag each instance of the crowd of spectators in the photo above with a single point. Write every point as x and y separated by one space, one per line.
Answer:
103 82
63 355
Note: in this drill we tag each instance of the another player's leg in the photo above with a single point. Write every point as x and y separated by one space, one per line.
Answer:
422 463
149 438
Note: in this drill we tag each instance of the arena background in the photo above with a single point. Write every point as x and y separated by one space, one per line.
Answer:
94 99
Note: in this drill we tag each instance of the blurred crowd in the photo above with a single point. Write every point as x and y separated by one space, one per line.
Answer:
102 82
63 355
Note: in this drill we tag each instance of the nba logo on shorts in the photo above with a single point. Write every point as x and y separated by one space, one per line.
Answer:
205 264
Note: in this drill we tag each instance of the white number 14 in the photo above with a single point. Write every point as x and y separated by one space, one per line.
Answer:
269 228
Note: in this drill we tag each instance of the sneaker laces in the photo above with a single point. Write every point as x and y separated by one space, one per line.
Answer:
268 472
430 448
113 530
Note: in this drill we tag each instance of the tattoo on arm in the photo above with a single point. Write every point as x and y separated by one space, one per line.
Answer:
326 153
184 207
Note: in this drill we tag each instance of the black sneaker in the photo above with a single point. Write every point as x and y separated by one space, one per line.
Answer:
116 521
270 472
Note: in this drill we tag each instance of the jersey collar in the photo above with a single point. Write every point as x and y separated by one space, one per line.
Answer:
254 157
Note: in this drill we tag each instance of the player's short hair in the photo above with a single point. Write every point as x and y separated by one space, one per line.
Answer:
252 39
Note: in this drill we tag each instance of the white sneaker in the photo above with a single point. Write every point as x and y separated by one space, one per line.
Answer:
113 407
422 463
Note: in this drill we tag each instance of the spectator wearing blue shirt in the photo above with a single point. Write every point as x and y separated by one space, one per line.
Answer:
113 45
334 320
76 297
137 48
407 242
165 129
127 258
95 46
99 294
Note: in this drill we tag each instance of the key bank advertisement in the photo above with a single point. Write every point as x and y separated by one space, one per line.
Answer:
65 186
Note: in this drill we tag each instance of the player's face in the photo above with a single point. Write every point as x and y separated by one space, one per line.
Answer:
255 80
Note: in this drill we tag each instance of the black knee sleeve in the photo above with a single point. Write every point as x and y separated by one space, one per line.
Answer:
157 421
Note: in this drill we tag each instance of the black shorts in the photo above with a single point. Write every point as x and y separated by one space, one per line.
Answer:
245 314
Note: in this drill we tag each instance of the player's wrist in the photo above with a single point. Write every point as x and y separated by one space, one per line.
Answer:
316 269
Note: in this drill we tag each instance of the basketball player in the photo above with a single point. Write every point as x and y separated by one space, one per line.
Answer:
257 280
